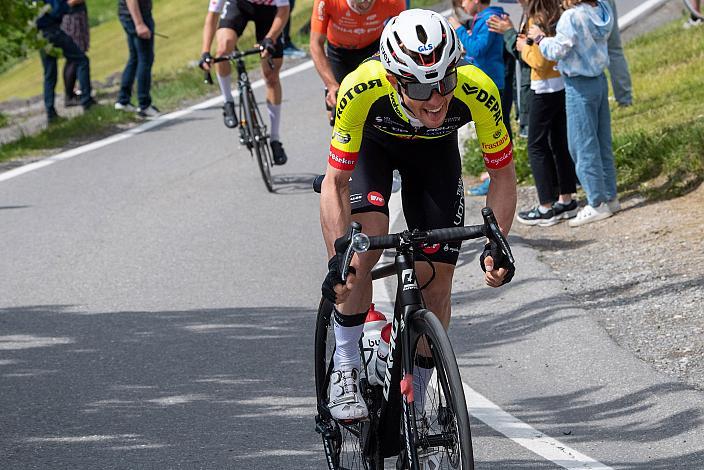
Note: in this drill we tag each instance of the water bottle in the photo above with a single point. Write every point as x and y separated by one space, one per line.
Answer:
382 353
373 324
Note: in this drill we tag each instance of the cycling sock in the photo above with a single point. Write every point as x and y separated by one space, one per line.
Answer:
422 373
348 330
226 87
275 118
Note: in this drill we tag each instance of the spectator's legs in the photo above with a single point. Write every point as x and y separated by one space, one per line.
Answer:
69 78
145 59
506 102
618 68
605 144
539 153
583 102
525 94
130 71
566 178
287 29
74 54
49 64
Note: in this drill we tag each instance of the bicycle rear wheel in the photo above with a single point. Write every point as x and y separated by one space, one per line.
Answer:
443 436
694 8
260 140
344 444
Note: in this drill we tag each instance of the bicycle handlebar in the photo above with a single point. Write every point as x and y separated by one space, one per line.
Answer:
236 55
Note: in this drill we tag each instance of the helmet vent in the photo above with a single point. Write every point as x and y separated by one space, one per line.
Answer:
422 35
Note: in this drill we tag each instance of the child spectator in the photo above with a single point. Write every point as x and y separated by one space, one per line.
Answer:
75 24
553 169
580 48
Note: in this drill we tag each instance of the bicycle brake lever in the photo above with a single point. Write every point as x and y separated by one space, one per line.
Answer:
207 79
345 244
495 232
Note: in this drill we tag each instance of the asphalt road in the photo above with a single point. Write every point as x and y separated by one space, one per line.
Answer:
157 308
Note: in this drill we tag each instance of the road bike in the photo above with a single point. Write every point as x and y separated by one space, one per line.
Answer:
394 428
694 7
253 131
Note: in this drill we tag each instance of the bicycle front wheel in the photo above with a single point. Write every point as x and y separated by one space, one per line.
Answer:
443 438
261 140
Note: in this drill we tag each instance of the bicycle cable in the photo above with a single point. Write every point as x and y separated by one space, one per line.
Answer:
432 266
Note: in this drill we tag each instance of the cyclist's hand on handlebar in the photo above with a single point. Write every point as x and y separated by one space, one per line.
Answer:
205 61
331 96
333 288
268 47
498 269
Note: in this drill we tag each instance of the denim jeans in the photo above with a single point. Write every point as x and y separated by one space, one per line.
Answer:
618 67
71 52
589 136
139 63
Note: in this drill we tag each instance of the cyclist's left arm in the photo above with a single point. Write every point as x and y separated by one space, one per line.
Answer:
283 10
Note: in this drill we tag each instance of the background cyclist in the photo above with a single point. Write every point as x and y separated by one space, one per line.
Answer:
352 29
269 17
402 110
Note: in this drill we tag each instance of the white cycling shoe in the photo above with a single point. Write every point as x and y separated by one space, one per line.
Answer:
346 403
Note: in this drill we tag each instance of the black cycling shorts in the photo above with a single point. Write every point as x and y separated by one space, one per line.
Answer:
237 13
432 191
343 61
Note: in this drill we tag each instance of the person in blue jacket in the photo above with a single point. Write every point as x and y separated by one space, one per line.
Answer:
485 49
50 26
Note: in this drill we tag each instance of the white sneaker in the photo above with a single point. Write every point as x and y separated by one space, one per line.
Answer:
590 214
614 205
125 107
150 111
346 403
692 23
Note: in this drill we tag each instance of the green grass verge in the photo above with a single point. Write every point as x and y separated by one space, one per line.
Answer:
99 121
658 142
3 120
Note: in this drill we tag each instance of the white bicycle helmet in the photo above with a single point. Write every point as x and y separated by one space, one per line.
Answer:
419 45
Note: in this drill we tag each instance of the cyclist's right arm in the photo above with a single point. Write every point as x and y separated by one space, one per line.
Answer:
319 21
209 27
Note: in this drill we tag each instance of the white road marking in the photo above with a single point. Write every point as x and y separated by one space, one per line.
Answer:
159 121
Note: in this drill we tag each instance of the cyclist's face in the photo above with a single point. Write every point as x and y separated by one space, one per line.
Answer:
431 112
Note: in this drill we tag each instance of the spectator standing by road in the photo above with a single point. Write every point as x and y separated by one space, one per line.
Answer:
484 48
618 67
138 23
581 52
50 26
75 24
290 49
351 29
504 26
550 162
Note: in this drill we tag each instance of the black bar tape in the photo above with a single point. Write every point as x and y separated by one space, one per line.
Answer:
349 320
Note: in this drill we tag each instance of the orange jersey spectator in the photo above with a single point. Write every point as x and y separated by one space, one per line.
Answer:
346 28
351 29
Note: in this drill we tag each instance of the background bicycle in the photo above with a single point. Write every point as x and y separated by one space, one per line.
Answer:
253 131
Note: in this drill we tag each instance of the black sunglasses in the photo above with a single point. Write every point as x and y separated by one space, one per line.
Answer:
423 91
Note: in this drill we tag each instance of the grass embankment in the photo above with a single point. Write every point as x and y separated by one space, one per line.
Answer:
658 142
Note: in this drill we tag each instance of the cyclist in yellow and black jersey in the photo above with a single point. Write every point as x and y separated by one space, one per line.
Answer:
401 110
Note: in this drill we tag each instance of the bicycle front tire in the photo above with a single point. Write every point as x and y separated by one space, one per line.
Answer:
260 140
445 436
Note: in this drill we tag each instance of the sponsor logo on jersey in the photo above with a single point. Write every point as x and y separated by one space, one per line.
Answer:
490 102
342 137
354 91
497 134
355 198
342 160
496 144
321 11
375 198
499 159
